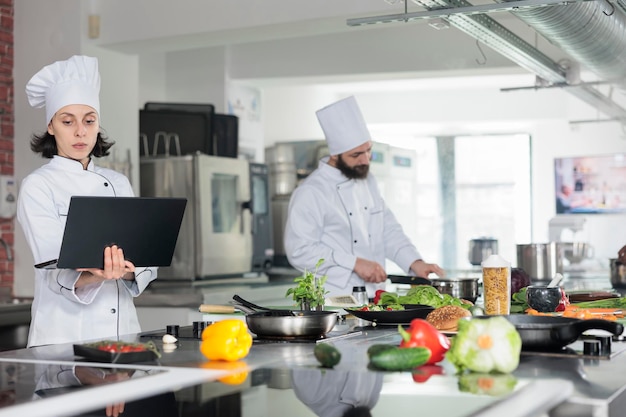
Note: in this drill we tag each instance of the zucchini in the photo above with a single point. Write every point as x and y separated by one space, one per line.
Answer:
327 355
400 359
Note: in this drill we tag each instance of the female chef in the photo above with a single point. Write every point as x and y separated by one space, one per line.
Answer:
73 305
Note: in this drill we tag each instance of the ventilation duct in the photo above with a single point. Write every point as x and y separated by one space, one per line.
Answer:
592 32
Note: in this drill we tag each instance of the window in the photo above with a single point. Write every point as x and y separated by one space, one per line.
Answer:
466 187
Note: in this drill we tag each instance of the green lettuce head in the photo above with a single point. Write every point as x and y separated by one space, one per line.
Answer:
485 344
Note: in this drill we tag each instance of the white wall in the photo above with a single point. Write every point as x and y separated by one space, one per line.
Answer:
151 51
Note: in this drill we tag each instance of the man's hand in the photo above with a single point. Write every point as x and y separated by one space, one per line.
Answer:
370 271
423 269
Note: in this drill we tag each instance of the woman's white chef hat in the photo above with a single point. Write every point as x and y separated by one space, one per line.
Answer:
343 125
75 81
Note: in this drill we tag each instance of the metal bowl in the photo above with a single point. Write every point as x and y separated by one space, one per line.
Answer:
576 252
465 288
618 274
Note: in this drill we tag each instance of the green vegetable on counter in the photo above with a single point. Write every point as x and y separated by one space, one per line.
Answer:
485 344
518 302
487 384
394 358
327 355
605 303
422 294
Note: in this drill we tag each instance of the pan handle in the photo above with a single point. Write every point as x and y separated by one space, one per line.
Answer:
248 304
574 330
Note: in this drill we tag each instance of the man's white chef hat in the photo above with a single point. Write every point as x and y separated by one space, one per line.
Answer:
75 81
343 125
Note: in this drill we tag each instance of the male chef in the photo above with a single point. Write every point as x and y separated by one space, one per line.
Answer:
338 214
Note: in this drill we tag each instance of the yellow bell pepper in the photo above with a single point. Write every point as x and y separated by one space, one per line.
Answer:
226 340
239 371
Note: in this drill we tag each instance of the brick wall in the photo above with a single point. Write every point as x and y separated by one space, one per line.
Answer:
6 130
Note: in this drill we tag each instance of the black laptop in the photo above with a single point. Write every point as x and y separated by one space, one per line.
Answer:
146 228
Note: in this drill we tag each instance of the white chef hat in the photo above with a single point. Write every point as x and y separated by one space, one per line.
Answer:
343 125
75 81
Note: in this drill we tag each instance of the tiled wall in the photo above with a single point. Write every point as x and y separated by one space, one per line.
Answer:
6 131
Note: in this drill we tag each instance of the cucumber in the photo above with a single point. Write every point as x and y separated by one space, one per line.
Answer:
375 349
327 355
400 359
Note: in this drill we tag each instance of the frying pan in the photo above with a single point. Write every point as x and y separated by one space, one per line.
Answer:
553 333
279 323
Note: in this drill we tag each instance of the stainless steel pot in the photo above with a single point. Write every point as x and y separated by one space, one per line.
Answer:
618 274
480 249
541 261
303 323
465 288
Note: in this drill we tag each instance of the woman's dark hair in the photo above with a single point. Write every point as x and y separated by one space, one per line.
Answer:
46 145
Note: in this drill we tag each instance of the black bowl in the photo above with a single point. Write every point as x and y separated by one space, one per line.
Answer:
543 298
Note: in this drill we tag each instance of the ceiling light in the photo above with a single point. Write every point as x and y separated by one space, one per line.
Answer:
438 24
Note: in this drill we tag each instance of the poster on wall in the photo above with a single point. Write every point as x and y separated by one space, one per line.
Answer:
590 184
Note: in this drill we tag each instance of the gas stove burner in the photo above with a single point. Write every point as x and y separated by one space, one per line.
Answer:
588 347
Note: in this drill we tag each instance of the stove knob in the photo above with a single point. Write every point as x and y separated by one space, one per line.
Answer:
591 347
605 345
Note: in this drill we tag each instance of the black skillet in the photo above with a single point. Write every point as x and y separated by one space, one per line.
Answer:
554 333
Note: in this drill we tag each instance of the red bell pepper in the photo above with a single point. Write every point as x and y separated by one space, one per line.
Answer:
423 334
424 372
564 301
377 295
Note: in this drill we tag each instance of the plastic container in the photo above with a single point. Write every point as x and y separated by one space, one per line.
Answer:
496 285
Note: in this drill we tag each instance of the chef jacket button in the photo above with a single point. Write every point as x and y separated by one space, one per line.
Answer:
355 241
106 184
350 213
112 311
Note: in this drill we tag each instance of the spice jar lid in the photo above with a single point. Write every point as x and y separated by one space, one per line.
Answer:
358 289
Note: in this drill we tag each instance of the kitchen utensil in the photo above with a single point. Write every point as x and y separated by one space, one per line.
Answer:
406 279
251 307
267 322
544 299
480 249
541 261
304 323
554 333
556 280
465 288
618 274
577 296
576 252
393 317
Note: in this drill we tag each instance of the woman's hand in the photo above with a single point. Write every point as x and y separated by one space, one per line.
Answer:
115 266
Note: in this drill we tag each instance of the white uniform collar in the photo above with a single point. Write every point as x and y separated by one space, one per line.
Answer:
70 164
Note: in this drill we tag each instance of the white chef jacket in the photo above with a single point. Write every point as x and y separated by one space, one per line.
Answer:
331 392
337 219
60 312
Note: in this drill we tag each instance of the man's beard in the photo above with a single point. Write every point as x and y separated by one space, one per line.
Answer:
357 172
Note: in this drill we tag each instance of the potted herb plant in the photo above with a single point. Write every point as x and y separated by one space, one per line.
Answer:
309 294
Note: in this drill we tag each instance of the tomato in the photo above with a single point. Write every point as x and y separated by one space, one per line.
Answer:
377 295
366 308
